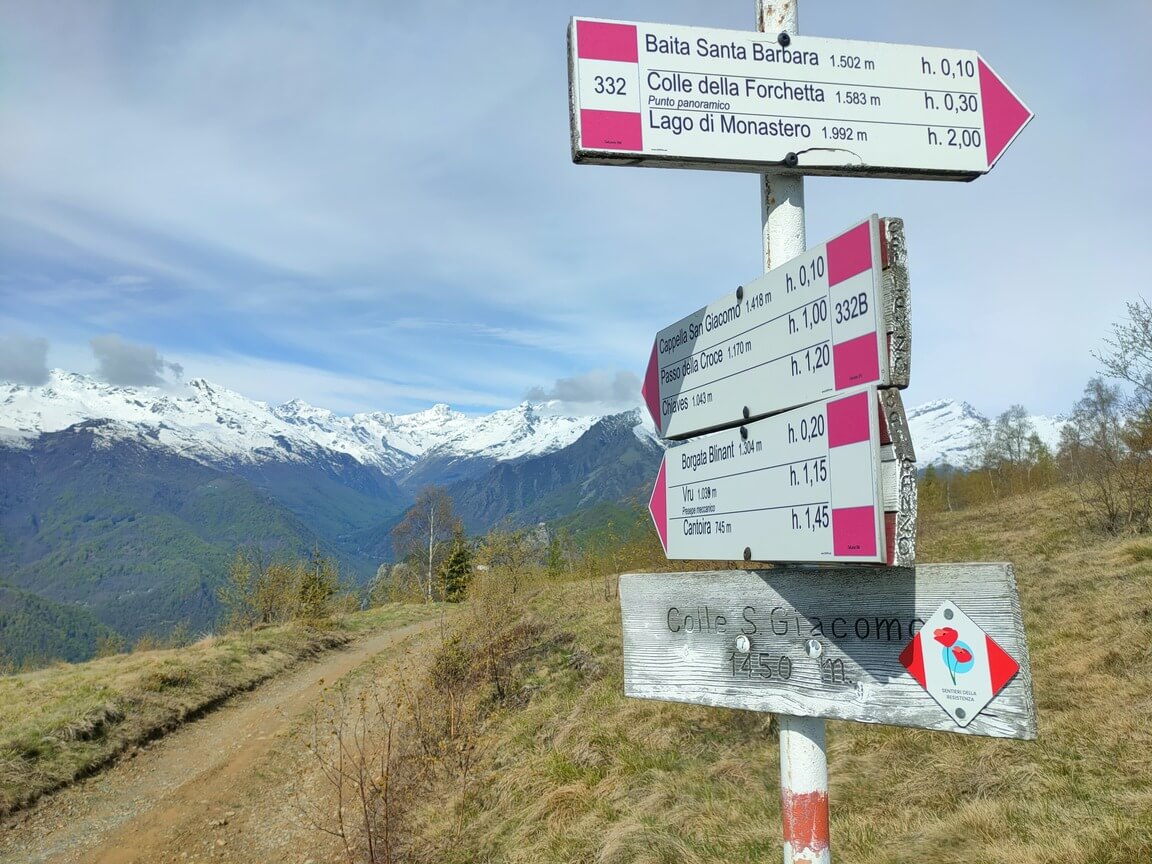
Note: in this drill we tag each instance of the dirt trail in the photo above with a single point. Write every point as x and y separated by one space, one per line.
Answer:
220 788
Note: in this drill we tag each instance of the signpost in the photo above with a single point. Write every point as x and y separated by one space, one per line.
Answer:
694 97
834 644
809 358
829 320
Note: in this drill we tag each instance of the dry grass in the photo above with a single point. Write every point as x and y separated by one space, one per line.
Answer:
67 721
580 773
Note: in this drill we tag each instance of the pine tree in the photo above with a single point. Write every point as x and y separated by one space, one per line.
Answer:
317 585
457 570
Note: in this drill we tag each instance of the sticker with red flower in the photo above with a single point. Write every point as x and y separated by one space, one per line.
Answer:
957 655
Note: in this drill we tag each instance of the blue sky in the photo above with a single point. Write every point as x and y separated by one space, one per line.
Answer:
372 205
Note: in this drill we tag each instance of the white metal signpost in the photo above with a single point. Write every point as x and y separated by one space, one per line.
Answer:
667 95
827 471
819 324
833 481
803 485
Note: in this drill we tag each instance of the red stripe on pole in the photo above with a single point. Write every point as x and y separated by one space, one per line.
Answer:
849 254
598 40
805 816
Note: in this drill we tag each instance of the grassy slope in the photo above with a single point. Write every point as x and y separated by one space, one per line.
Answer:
582 774
65 722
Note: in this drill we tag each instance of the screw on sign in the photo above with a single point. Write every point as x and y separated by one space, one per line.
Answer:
960 665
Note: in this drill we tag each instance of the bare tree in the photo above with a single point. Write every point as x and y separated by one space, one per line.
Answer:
1128 353
423 537
513 554
1010 435
1112 477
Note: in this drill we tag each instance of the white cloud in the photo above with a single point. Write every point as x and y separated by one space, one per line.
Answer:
381 194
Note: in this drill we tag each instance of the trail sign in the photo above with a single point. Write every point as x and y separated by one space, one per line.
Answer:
694 97
958 663
803 485
829 320
825 644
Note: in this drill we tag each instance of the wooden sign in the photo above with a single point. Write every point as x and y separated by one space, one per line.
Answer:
824 643
897 481
831 319
695 97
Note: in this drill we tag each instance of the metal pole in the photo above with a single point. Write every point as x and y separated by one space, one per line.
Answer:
803 755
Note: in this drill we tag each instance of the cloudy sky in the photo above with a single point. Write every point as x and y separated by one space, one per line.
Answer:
371 205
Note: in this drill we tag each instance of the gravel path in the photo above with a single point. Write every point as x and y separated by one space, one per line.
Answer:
221 788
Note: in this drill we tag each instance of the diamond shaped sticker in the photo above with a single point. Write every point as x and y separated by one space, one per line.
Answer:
960 665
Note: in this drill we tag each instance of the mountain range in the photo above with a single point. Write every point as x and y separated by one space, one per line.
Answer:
121 507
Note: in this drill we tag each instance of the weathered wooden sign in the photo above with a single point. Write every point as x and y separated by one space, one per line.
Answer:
673 96
829 320
803 485
823 643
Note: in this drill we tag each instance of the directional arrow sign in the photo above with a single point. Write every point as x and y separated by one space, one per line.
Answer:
819 324
804 485
661 94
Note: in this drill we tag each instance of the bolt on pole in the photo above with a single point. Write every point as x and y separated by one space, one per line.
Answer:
803 754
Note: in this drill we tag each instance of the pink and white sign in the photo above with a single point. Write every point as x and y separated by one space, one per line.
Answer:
813 327
800 486
960 665
677 96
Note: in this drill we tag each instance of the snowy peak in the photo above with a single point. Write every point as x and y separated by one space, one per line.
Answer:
946 430
211 424
948 408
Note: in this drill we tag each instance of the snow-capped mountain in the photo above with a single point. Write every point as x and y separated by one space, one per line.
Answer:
213 424
945 431
146 493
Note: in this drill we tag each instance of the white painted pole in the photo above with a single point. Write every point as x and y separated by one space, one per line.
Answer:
803 755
